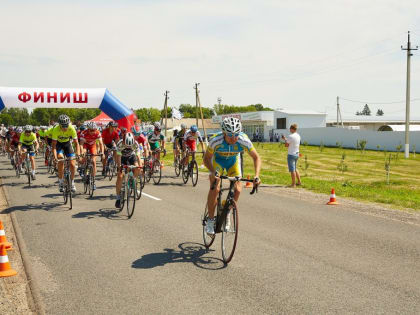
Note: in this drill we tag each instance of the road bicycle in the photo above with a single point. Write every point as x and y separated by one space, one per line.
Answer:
17 165
67 193
154 167
88 178
227 220
110 165
129 190
178 164
52 163
28 167
190 170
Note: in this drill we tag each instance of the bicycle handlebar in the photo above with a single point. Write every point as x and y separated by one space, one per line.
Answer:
237 179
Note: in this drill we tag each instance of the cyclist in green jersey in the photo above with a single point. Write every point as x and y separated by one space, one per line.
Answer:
28 144
62 137
156 138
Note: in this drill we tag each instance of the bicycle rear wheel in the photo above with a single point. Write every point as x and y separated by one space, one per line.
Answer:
157 172
229 231
177 168
148 171
194 173
131 197
29 170
68 189
91 181
139 186
185 173
208 239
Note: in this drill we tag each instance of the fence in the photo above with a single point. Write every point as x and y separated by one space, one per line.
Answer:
330 136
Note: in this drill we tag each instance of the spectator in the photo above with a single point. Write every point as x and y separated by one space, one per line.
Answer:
292 143
277 137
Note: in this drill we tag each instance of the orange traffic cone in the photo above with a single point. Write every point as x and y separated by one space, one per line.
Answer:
161 165
332 201
3 240
5 269
248 184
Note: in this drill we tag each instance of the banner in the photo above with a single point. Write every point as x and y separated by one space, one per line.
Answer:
67 98
176 114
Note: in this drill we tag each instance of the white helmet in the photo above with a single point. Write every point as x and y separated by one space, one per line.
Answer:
91 125
231 124
157 125
129 139
183 126
27 128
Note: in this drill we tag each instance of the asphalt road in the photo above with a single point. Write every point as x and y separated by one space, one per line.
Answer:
293 256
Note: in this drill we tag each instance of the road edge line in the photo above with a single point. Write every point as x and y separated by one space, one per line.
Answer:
35 297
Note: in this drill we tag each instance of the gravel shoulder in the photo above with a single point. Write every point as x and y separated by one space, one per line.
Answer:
15 292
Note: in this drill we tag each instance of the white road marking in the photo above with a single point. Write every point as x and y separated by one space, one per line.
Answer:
150 196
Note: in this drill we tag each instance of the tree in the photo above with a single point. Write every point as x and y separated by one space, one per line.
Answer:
380 112
221 109
366 110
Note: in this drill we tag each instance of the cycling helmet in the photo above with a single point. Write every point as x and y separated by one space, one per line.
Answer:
183 126
129 139
144 133
123 129
10 128
19 130
64 121
157 125
193 128
91 125
231 124
27 128
114 124
43 127
82 127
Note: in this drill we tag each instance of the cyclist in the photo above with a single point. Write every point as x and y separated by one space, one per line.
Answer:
175 145
223 154
9 135
156 139
128 154
88 139
62 137
181 134
27 140
14 142
3 131
190 142
110 139
48 138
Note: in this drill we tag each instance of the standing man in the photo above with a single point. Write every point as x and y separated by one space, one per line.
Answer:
293 143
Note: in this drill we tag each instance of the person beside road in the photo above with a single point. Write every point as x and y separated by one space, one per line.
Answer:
292 144
223 155
62 137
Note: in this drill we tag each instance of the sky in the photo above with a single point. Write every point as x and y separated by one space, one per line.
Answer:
296 55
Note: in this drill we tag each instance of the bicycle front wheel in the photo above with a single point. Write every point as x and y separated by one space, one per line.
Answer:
177 168
208 239
229 231
185 173
194 173
139 186
91 181
131 196
68 189
157 172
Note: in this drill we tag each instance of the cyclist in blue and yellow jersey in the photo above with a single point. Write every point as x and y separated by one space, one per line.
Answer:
28 144
62 137
223 154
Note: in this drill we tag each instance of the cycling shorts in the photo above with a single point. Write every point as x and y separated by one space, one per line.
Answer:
14 144
110 146
231 166
29 148
66 148
90 148
129 160
49 141
191 145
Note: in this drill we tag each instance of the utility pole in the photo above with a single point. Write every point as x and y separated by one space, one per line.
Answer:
219 100
166 112
339 114
407 98
196 103
202 119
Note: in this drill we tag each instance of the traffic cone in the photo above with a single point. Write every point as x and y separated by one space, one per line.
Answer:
248 184
161 164
5 269
3 240
332 201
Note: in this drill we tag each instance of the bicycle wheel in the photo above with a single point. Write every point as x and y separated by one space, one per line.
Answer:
143 177
86 181
147 171
91 181
177 168
122 196
157 172
229 231
131 196
68 189
185 173
28 169
110 168
65 189
208 239
194 173
139 186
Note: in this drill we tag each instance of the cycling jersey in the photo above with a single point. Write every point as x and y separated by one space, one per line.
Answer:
154 140
226 156
27 140
136 130
15 138
48 132
41 133
63 136
3 132
141 140
90 137
126 151
108 137
189 136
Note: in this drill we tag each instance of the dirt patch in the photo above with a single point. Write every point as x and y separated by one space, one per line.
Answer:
15 293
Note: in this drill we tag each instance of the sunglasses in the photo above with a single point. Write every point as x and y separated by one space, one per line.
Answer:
232 135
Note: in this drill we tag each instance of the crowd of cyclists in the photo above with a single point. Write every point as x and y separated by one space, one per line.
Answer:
131 147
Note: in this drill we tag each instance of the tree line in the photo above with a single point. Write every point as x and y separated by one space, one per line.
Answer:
43 116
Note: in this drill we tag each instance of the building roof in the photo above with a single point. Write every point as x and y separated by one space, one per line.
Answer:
300 112
385 119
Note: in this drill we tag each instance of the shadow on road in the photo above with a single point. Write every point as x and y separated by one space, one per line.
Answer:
188 253
107 213
46 206
171 184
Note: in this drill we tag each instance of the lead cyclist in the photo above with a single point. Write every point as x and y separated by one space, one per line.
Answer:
223 154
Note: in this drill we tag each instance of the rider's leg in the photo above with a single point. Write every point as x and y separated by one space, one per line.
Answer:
212 196
32 158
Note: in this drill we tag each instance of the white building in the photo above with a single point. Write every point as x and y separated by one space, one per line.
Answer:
263 123
375 123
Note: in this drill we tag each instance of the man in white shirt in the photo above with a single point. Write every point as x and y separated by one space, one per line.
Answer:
293 143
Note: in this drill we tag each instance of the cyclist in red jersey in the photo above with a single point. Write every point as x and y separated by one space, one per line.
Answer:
110 138
88 139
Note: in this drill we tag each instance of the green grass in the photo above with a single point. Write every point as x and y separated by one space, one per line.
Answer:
365 178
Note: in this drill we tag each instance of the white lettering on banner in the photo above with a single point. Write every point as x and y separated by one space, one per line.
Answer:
4 259
51 97
2 233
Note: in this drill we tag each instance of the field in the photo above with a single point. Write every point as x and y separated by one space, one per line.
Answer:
361 175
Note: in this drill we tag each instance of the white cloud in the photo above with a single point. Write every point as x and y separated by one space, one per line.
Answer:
297 54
